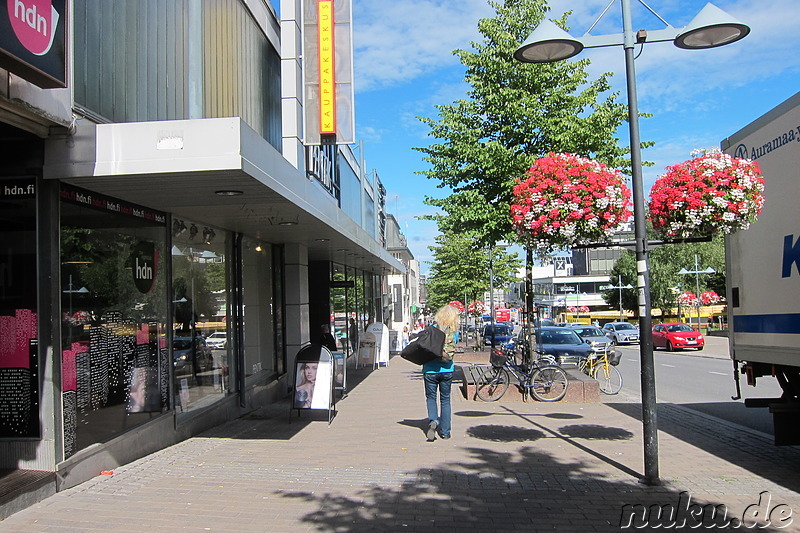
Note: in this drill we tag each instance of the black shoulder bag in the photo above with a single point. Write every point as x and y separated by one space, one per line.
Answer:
425 346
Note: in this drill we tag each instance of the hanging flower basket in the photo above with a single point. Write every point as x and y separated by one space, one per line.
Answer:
458 305
477 308
709 194
572 309
80 318
566 199
687 298
710 298
583 309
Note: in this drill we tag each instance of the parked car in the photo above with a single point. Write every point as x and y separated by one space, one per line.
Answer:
564 344
217 340
596 339
187 350
677 335
502 333
622 332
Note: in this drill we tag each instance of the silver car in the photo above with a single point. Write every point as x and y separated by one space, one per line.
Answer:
217 340
595 337
622 332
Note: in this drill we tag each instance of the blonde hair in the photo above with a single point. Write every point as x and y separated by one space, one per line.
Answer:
447 316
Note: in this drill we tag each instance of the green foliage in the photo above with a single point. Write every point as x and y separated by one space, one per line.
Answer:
461 269
665 261
513 113
100 260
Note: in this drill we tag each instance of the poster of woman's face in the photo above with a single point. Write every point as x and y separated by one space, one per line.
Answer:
313 385
144 394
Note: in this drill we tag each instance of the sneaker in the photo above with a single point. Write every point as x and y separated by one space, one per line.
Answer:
431 433
445 437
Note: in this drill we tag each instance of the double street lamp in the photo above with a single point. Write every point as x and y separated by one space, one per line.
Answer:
549 43
697 273
619 286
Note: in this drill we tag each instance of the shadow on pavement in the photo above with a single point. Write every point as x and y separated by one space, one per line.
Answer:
525 490
511 487
779 464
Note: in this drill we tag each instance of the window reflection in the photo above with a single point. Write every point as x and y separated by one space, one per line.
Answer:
201 348
258 304
114 364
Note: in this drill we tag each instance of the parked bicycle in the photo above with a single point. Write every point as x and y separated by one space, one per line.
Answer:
600 368
544 380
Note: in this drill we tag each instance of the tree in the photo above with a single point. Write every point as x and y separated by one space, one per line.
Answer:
513 113
460 269
666 284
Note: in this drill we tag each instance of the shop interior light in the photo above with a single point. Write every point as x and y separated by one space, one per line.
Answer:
192 231
228 193
178 227
208 235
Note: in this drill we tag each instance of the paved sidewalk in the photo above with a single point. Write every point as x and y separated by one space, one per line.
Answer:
508 467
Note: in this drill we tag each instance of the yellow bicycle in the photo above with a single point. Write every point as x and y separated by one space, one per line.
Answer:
600 368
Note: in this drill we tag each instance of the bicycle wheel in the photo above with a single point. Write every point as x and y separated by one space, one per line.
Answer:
609 378
548 384
493 386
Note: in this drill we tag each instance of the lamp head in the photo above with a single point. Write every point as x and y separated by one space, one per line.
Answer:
711 27
548 43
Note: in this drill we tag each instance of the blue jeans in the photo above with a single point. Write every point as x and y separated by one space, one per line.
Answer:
441 381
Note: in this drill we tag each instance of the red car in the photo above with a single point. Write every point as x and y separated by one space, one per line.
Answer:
676 335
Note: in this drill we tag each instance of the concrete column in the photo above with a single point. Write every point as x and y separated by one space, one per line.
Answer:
297 305
292 82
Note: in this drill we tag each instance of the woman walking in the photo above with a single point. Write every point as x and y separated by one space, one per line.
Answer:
438 376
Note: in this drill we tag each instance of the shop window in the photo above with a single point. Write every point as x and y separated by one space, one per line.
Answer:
258 304
202 340
19 383
114 359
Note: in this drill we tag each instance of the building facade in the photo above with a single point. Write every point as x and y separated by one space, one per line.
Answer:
170 239
404 287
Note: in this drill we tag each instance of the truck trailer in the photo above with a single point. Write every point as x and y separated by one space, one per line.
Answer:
763 269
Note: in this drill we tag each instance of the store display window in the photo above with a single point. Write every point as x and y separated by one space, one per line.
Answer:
114 355
202 341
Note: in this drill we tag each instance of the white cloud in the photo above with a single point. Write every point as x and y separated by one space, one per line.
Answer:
668 77
397 41
697 97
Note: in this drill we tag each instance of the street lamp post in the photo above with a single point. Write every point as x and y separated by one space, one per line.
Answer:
491 287
491 293
697 273
548 43
619 286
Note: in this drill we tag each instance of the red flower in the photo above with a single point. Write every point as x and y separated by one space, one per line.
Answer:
567 199
458 305
713 192
709 297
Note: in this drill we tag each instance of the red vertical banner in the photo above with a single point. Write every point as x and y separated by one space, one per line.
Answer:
327 70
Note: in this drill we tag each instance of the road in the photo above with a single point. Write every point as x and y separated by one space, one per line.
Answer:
702 381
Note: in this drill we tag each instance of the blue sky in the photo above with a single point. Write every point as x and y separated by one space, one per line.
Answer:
404 66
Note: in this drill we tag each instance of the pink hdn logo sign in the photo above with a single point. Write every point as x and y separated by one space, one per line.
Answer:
34 23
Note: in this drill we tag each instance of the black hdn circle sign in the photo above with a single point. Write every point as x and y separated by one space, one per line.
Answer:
144 262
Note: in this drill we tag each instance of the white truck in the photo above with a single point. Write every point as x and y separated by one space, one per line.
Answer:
763 269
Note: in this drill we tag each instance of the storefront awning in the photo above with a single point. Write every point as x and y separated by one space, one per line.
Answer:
182 166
